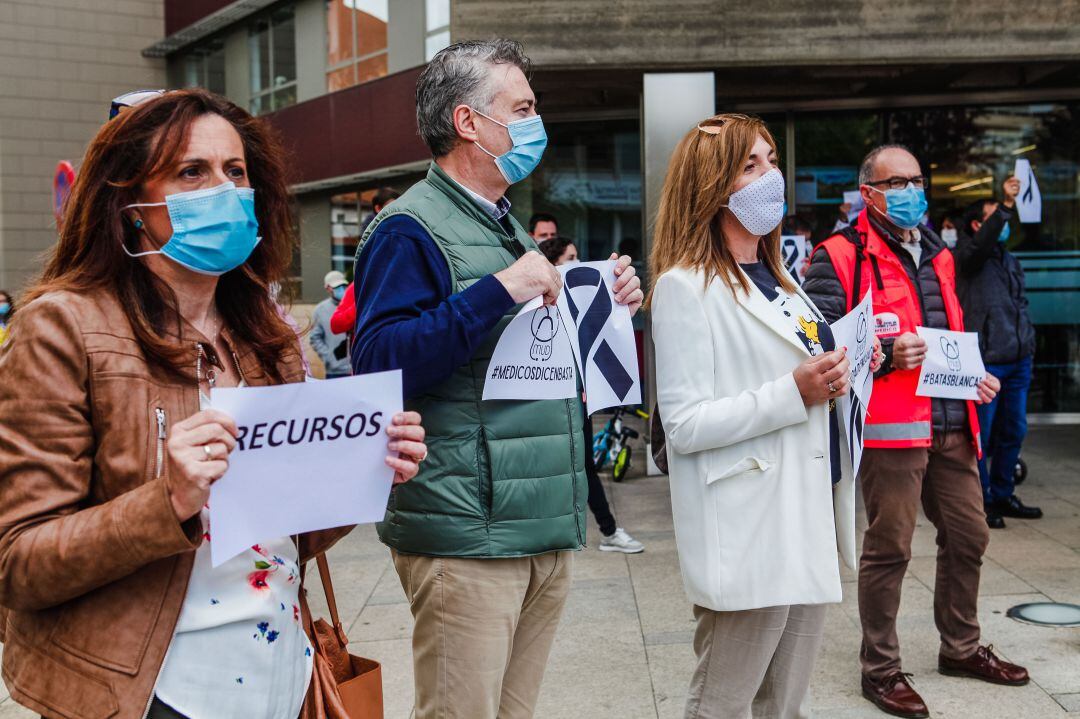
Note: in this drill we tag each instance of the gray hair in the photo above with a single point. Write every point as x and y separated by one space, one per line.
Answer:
866 169
458 75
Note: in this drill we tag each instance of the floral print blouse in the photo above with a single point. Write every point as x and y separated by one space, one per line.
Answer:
239 649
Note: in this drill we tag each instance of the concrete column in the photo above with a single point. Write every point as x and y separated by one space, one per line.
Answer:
405 35
314 213
238 66
310 49
672 103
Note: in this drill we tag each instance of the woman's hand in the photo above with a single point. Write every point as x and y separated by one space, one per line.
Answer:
407 440
198 454
878 357
823 377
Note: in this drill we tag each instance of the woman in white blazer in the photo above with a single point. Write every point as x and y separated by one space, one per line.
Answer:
747 378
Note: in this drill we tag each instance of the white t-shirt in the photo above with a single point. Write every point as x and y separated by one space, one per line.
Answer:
239 649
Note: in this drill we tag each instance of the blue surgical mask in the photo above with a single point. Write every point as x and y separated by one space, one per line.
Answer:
905 208
339 292
530 141
214 230
1002 237
5 307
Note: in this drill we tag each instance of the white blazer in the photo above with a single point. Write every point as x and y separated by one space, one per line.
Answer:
757 519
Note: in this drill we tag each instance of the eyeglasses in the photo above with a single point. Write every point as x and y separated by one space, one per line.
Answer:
132 99
713 124
898 183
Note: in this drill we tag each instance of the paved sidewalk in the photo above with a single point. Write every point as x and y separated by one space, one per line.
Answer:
624 646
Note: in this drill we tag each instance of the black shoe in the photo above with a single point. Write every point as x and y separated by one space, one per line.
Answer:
994 520
1013 507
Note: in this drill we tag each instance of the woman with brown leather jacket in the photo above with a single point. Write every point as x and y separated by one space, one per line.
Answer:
155 293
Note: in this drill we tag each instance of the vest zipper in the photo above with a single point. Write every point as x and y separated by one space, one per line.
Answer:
573 472
160 414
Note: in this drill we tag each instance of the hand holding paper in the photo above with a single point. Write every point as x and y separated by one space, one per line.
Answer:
531 276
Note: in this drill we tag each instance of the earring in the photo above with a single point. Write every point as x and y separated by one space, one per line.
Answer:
138 224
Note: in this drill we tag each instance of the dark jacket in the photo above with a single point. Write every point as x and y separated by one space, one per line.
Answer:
825 289
990 284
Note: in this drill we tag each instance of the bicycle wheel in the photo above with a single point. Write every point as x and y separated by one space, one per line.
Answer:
600 449
622 464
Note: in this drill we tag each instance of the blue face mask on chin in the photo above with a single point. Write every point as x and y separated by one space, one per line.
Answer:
339 292
214 230
905 208
530 141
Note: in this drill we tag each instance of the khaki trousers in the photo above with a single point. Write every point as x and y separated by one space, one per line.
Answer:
755 662
945 478
483 631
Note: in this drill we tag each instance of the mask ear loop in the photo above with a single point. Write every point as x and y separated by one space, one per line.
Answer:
140 225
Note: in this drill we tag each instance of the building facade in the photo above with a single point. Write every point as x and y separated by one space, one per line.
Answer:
61 62
970 87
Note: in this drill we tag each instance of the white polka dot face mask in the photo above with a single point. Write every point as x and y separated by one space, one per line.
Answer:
760 205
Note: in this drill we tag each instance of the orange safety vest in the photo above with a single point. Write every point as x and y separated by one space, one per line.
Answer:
896 417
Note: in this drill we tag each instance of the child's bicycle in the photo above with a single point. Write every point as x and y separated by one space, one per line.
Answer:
611 443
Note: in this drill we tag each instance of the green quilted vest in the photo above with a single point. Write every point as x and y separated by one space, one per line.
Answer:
502 478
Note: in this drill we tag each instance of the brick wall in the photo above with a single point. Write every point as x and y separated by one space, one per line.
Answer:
61 62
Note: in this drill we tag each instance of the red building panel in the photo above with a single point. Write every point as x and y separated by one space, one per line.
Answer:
181 13
358 129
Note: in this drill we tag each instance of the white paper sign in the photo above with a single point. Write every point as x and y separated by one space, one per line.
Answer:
309 456
602 335
855 330
597 332
953 366
795 249
854 198
1029 201
533 359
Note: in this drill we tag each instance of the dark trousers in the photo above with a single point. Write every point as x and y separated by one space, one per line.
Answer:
1003 426
894 481
598 503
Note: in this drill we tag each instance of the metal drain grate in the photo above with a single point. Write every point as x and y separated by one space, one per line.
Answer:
1046 614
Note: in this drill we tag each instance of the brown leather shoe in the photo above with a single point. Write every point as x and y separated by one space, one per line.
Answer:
894 695
985 665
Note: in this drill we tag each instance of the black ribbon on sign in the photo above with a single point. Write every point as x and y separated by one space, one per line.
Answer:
590 326
1029 194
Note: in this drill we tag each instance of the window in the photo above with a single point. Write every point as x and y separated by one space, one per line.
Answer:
356 42
437 27
272 50
204 66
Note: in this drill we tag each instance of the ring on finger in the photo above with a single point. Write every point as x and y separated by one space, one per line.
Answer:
832 389
209 453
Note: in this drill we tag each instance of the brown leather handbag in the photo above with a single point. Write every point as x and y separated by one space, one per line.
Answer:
343 685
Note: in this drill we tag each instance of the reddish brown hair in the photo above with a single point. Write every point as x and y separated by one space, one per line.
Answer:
138 145
700 179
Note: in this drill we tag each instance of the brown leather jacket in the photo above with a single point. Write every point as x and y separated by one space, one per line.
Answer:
94 563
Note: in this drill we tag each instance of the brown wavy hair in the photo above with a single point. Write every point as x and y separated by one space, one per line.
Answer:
700 178
140 144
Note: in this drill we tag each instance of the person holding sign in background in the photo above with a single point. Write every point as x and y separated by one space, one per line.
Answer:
747 378
916 448
155 292
990 282
483 538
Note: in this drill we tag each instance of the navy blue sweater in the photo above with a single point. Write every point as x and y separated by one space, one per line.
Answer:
406 316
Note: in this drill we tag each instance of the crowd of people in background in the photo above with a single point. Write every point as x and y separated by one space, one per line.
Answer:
108 597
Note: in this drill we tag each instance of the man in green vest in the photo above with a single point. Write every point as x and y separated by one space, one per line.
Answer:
483 538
